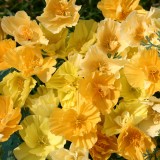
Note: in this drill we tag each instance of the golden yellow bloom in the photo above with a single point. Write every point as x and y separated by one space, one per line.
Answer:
2 34
74 153
59 14
5 46
43 101
104 146
133 143
77 125
17 86
134 29
9 118
143 71
23 29
102 90
38 140
31 62
118 9
125 112
83 36
108 36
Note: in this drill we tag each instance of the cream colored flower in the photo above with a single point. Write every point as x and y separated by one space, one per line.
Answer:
9 118
74 153
126 112
31 62
17 86
119 9
151 125
59 14
133 143
23 29
108 36
134 29
38 140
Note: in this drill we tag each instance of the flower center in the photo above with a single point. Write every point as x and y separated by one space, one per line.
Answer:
20 83
25 32
134 138
154 74
62 9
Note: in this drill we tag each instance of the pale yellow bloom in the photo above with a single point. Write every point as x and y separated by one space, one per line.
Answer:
5 46
108 36
151 125
102 90
43 101
104 146
134 29
83 36
57 43
97 61
38 140
74 153
23 29
17 86
133 143
59 14
125 112
143 71
9 118
31 62
119 9
77 125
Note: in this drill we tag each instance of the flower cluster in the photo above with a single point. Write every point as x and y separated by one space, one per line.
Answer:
93 86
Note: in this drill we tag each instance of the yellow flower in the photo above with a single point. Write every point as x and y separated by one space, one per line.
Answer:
74 153
31 62
17 86
125 112
38 140
83 36
133 143
97 61
59 14
118 9
43 101
143 71
151 125
104 146
23 29
134 29
9 118
5 46
57 43
108 36
102 90
77 125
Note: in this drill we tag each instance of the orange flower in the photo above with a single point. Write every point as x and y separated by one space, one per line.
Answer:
133 143
143 71
76 125
59 14
104 146
102 90
5 45
31 62
9 118
118 9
